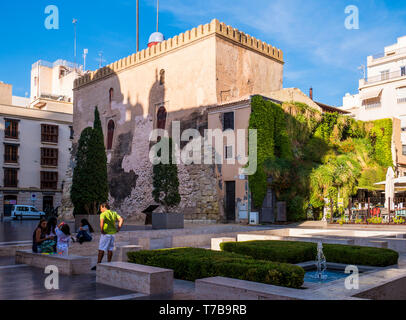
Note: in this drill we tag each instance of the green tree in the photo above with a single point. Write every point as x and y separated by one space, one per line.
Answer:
165 179
90 184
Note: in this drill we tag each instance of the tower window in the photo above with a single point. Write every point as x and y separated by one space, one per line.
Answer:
162 77
111 94
110 134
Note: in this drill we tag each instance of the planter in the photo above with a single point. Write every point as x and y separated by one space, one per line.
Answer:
94 221
168 221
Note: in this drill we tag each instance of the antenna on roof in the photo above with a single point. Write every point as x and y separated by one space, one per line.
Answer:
138 25
75 21
157 16
85 52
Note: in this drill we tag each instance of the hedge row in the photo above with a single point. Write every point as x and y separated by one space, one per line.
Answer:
296 252
193 263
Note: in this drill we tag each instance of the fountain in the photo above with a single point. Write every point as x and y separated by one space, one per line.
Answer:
320 273
321 262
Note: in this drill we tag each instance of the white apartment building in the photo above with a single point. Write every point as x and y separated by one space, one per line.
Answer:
52 84
36 138
382 94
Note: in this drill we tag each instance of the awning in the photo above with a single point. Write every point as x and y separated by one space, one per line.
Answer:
370 94
397 181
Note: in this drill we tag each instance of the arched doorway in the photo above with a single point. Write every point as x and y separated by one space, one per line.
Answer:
161 118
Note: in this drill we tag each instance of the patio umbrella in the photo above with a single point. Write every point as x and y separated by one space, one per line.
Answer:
389 188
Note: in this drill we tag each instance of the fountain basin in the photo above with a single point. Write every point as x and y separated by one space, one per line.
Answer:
334 272
328 276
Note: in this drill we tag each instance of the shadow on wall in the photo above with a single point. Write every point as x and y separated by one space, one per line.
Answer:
127 125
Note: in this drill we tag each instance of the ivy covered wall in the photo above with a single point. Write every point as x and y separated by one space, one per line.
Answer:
306 156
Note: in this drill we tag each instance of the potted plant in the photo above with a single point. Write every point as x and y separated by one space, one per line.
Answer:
166 187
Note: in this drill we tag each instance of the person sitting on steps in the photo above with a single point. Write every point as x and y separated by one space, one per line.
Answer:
85 232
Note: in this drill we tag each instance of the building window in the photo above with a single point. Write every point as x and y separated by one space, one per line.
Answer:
11 129
49 133
372 103
161 118
10 178
385 75
228 121
10 153
162 77
49 157
62 72
111 95
228 154
404 150
401 94
110 134
49 180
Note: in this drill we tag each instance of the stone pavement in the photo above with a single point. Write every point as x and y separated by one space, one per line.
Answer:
20 282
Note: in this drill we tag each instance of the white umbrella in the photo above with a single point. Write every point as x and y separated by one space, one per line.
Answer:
389 188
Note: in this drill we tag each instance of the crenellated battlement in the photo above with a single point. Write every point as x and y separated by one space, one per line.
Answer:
214 27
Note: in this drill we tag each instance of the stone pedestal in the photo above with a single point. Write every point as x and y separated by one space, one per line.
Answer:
215 242
167 221
281 211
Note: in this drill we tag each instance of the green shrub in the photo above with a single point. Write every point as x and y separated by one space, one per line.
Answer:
192 264
296 252
280 251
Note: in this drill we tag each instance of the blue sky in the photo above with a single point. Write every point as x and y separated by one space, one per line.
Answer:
319 50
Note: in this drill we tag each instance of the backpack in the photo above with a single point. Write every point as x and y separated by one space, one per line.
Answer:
48 246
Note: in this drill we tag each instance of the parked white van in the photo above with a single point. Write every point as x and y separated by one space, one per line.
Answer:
21 212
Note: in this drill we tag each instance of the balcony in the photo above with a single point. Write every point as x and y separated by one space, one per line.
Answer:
390 54
385 76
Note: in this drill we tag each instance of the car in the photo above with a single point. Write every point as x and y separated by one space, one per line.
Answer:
21 212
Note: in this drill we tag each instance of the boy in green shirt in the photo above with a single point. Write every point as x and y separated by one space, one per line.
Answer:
108 229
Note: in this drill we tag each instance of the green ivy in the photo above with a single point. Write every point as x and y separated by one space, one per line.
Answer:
310 156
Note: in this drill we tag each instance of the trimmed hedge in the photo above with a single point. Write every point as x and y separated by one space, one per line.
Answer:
296 252
193 263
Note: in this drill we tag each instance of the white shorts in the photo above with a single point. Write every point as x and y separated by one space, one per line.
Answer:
106 242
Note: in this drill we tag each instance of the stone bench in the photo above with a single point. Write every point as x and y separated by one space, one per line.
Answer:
67 265
256 237
135 277
121 250
215 242
378 244
220 288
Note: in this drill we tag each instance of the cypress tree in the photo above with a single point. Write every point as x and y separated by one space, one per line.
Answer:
79 191
90 184
166 182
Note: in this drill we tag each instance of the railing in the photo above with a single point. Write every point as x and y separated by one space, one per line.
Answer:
372 105
59 62
54 97
384 54
385 76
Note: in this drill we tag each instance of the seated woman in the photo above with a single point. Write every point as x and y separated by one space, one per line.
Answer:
40 239
52 223
63 235
85 232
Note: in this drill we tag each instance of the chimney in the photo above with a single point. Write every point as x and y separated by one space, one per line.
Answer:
311 93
